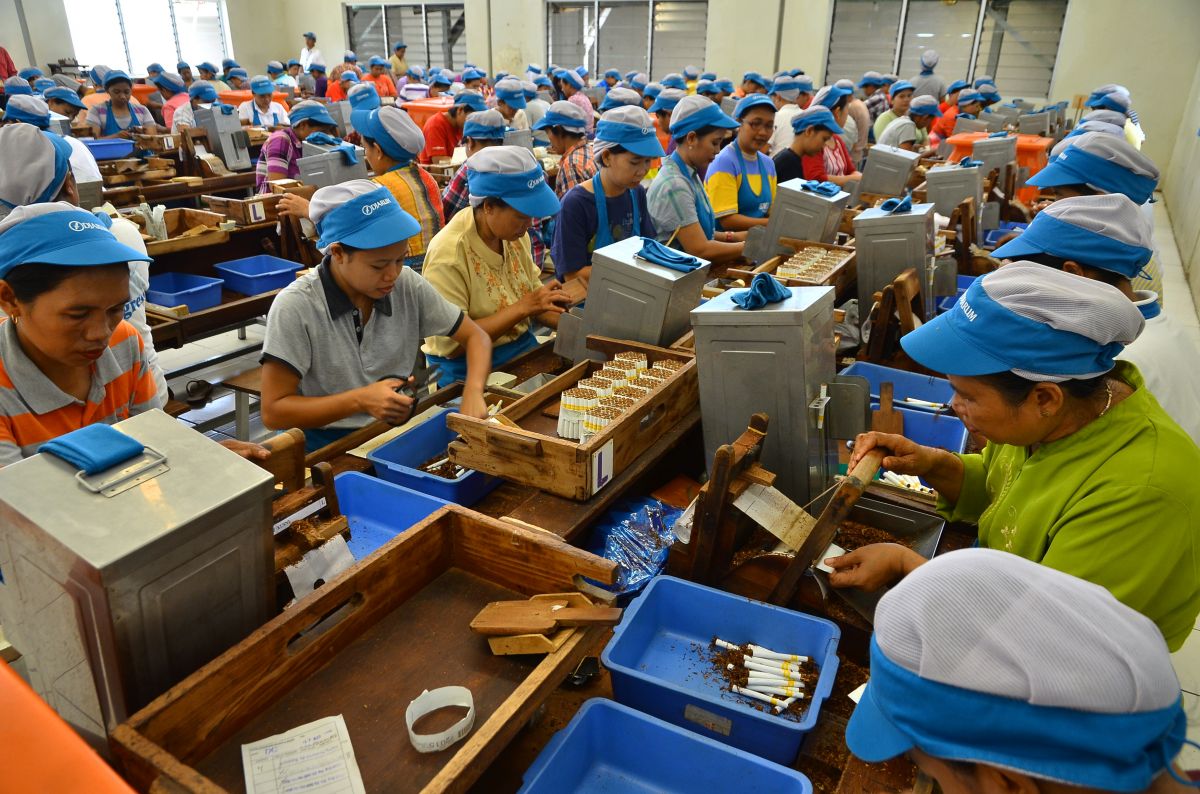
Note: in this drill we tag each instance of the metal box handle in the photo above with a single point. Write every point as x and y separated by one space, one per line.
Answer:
126 478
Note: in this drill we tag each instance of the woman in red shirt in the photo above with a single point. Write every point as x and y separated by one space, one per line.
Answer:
833 163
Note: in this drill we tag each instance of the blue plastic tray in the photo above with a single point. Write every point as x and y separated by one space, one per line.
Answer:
184 289
658 659
611 748
947 303
905 384
379 511
109 148
398 461
255 275
992 237
940 430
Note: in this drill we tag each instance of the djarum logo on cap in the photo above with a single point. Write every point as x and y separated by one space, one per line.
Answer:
79 226
370 208
531 184
966 307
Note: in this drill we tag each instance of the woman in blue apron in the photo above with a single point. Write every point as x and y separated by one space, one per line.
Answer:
612 205
260 110
120 116
741 181
481 261
682 215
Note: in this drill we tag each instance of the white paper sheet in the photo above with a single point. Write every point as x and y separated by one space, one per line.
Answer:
321 564
774 512
316 758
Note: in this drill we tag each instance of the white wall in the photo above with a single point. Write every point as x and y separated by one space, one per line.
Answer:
1149 47
47 21
258 35
805 44
1182 191
326 18
518 35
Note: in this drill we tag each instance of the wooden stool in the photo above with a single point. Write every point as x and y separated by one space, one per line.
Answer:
244 386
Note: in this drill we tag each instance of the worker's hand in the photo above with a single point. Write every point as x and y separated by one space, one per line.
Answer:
293 206
382 401
247 450
547 298
473 404
872 567
902 455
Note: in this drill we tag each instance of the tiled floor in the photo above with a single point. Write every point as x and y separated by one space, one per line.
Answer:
1178 302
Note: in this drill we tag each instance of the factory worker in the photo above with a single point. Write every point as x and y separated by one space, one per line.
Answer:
583 73
911 132
349 64
952 92
305 85
208 73
472 79
201 94
1083 470
572 91
174 94
121 116
612 205
1117 98
990 95
754 83
261 110
482 263
279 75
482 129
661 108
674 80
67 357
812 130
857 124
184 70
30 73
342 339
692 75
835 163
1105 237
227 67
510 101
309 54
995 675
708 88
927 82
968 104
320 81
154 102
620 97
650 93
443 130
337 90
31 110
439 84
545 89
900 93
741 180
566 127
874 89
679 205
238 79
611 78
33 172
791 95
65 103
378 75
280 155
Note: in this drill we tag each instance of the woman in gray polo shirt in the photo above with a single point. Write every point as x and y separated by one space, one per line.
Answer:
344 338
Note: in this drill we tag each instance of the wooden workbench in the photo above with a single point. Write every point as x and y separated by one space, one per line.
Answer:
240 184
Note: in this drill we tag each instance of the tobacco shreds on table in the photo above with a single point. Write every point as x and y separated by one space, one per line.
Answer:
721 658
445 469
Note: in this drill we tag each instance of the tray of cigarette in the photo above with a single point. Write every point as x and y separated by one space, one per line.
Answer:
812 264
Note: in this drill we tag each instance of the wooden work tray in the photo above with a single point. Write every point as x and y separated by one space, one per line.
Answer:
161 143
179 221
364 646
533 453
245 211
841 277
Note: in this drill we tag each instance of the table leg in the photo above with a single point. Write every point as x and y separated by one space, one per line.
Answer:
241 415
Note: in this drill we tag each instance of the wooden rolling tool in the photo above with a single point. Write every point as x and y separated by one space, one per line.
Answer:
501 618
886 419
826 527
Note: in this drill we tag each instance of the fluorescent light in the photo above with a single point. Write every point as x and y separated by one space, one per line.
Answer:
924 35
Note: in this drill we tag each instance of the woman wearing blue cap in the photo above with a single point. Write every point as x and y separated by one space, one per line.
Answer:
121 116
481 130
900 94
1083 470
812 130
201 94
280 155
679 204
741 180
378 74
911 132
481 261
571 87
238 79
754 83
564 124
998 676
261 110
342 340
612 205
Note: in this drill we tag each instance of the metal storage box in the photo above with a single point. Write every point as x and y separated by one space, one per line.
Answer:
1035 124
888 244
995 153
630 298
799 214
113 599
322 166
888 170
968 125
995 122
226 137
340 112
728 105
771 360
947 186
522 138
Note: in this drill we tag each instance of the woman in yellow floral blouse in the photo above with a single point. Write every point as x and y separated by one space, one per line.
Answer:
481 261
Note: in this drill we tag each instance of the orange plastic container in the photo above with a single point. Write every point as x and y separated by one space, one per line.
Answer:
422 110
236 98
1033 152
142 91
43 753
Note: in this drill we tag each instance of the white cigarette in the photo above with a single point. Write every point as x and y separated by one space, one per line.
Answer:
729 646
927 403
779 668
759 651
776 691
772 664
750 693
779 682
780 708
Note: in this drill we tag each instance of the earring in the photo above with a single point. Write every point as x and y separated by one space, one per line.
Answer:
1045 414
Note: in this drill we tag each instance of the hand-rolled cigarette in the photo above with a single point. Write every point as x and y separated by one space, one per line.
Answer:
926 403
729 646
775 691
768 681
780 708
750 693
777 668
757 651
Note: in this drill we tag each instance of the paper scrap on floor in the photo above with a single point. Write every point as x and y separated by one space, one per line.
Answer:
316 758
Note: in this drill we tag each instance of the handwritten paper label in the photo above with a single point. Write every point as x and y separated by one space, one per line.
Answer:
316 758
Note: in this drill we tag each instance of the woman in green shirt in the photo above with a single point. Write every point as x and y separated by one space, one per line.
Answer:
1083 470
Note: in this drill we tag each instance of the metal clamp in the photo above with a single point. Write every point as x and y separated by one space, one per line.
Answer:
127 477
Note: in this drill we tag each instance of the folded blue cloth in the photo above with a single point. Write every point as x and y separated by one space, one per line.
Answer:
659 254
349 152
226 110
895 205
94 448
820 188
323 139
967 162
764 289
1001 134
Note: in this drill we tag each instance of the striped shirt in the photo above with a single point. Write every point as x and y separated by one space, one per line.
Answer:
33 410
576 166
281 153
417 194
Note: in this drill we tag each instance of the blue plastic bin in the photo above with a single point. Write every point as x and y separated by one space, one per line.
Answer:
184 289
379 511
947 303
255 275
657 668
108 149
399 460
932 429
905 384
992 237
608 748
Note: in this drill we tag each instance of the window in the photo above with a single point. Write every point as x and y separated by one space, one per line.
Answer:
615 34
677 39
434 32
1017 42
132 34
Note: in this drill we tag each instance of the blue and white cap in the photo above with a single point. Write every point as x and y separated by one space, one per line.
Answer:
1102 162
361 214
262 85
786 86
695 113
1112 97
639 81
28 109
668 99
154 68
203 66
582 70
726 86
348 76
652 90
989 92
487 125
394 130
274 67
1077 688
1036 322
570 76
815 116
615 74
542 81
749 102
179 67
415 72
17 86
929 58
65 95
530 89
59 233
440 78
619 97
924 105
674 80
472 99
510 92
202 90
40 84
562 114
362 97
708 87
969 95
376 60
236 71
871 78
472 74
691 72
629 127
349 57
512 174
1106 232
33 164
830 95
32 73
900 85
1106 115
116 75
708 76
229 63
984 79
755 77
310 110
957 85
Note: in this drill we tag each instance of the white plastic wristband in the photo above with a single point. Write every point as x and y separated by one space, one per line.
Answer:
429 702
